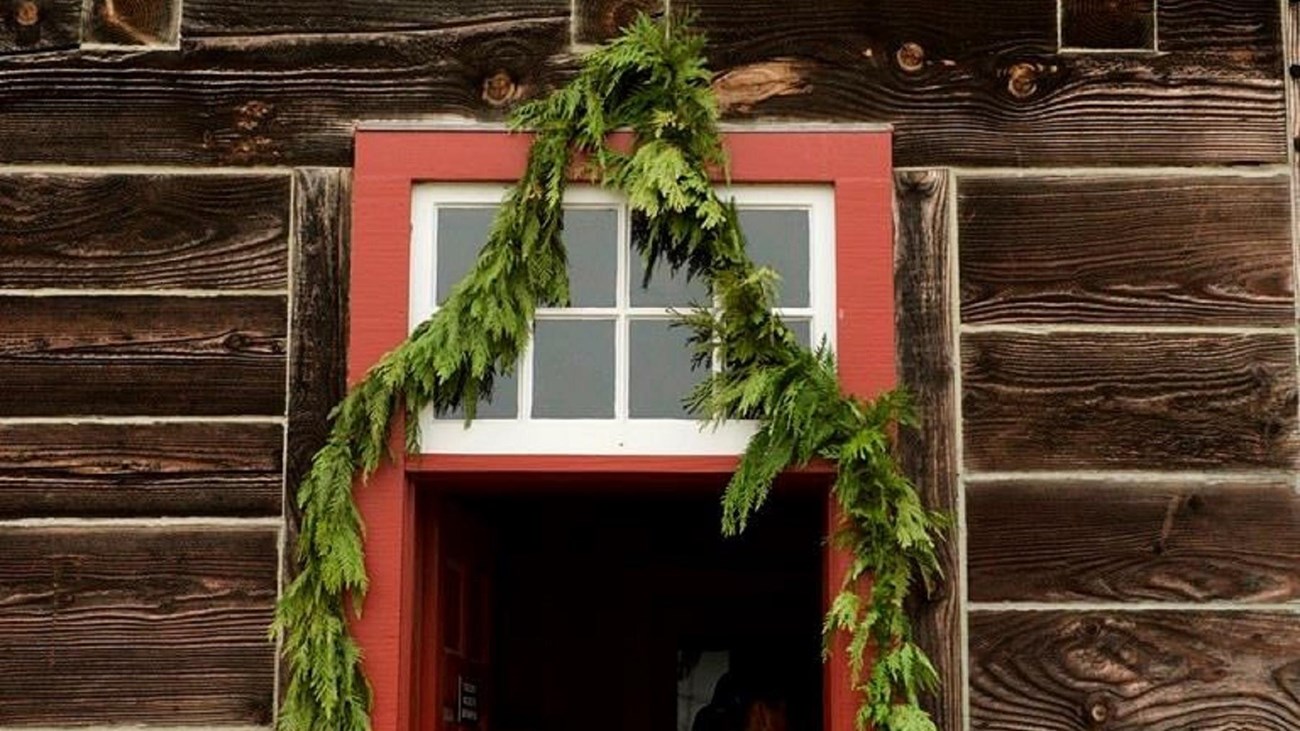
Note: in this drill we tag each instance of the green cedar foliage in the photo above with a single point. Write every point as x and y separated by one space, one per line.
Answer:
653 82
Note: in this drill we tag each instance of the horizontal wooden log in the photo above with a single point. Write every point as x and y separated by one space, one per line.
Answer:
276 100
251 17
1052 401
1136 671
144 231
139 625
1213 250
964 83
980 83
28 26
124 470
1095 541
141 355
1196 26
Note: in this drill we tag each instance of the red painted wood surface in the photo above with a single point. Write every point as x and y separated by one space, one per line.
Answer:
388 163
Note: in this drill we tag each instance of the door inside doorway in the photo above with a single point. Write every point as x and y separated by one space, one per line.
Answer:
589 612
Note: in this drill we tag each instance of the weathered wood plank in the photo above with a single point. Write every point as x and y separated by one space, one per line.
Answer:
599 20
253 17
964 83
1128 400
144 231
1138 671
124 470
1212 250
982 83
63 356
1249 29
28 26
278 100
1095 541
132 22
141 625
317 367
1107 24
925 362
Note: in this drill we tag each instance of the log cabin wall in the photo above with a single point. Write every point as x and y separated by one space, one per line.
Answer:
1095 272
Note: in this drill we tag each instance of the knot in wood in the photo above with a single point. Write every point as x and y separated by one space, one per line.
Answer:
27 13
1097 710
250 115
910 57
500 89
1022 80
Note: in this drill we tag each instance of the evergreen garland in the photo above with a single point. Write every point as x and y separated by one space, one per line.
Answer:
653 82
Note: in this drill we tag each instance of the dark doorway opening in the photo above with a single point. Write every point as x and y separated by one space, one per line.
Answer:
633 612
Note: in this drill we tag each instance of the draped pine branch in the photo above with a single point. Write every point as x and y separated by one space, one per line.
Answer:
654 83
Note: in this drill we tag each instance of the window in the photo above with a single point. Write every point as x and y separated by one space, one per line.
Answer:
608 374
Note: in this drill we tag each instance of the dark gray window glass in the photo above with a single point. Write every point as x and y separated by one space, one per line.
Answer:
802 328
573 369
779 239
461 235
591 238
661 375
504 403
665 288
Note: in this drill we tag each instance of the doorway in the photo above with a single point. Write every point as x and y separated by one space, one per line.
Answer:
586 611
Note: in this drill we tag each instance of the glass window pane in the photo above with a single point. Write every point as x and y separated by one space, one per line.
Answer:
665 288
661 375
779 239
503 405
460 236
802 328
573 369
591 237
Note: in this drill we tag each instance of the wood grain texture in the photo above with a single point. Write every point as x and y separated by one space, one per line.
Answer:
1128 400
253 17
132 22
923 287
139 625
981 83
1098 24
144 231
965 83
28 26
141 355
317 362
276 100
129 470
1138 671
1106 542
600 20
1126 250
1195 27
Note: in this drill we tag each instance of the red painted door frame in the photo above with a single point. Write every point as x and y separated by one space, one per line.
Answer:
389 162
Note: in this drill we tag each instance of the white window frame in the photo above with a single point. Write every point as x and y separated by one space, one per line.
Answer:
620 435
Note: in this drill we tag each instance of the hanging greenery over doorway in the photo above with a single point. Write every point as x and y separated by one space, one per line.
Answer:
652 81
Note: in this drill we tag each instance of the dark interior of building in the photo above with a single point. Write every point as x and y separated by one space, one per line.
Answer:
625 612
